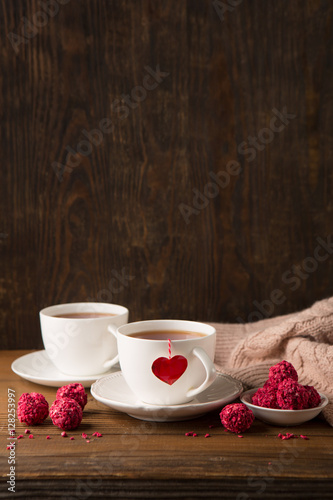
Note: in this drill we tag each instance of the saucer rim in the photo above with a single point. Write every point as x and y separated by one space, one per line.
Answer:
50 381
149 408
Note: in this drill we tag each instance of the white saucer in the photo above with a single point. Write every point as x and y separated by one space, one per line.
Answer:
37 367
113 391
279 416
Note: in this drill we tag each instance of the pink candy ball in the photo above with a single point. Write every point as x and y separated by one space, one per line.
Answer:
314 396
32 408
66 414
282 371
266 396
291 395
236 417
73 391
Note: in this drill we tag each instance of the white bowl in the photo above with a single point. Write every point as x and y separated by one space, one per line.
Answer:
282 417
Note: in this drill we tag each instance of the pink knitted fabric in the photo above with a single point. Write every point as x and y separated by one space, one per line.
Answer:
305 339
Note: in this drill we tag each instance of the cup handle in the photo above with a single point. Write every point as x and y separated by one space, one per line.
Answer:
210 371
113 330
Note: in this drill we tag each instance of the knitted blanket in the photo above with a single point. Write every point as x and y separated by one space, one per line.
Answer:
305 339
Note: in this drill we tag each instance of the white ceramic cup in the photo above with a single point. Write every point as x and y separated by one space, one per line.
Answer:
144 361
81 346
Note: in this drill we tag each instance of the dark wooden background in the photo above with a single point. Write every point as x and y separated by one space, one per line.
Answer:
115 212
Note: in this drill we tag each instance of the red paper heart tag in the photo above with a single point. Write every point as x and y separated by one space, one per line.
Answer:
169 370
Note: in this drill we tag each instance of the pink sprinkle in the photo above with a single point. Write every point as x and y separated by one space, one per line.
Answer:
226 430
207 435
48 437
31 436
63 434
20 436
269 463
288 435
84 435
97 434
303 437
240 436
188 433
211 426
71 438
9 447
194 434
27 431
87 441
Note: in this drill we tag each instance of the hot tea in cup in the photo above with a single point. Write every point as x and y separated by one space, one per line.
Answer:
76 336
167 362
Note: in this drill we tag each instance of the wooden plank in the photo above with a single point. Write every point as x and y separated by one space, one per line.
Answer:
168 489
136 458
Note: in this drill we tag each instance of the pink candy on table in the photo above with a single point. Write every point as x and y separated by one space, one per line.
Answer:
73 391
236 417
32 409
66 414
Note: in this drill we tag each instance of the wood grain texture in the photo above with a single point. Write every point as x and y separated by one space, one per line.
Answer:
116 209
136 459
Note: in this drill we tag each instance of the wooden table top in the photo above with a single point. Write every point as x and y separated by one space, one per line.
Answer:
138 459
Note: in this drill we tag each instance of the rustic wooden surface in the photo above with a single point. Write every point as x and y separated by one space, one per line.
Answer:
116 210
137 459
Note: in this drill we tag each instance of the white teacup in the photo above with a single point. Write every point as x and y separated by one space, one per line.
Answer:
78 344
164 372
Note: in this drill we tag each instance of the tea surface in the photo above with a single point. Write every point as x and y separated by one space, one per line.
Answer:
167 334
80 315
